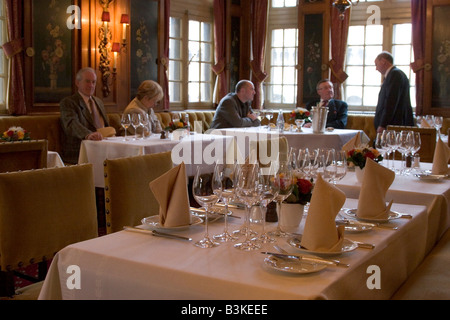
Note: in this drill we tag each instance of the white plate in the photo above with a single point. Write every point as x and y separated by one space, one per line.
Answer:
392 215
153 222
430 177
347 246
292 265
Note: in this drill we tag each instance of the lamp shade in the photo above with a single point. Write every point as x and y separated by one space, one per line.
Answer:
106 17
125 19
115 47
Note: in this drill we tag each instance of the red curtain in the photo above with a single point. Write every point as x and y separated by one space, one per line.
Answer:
165 58
259 30
219 68
339 35
14 51
418 19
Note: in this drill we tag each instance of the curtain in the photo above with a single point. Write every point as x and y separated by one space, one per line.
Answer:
418 19
259 30
221 88
14 51
165 58
339 35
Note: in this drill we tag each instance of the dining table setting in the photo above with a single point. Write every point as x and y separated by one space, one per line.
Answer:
361 247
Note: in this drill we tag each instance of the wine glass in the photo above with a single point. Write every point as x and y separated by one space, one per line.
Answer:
405 139
382 146
136 123
225 179
285 179
438 124
269 116
125 121
145 123
299 123
330 166
247 191
392 143
417 143
206 196
429 118
340 158
269 188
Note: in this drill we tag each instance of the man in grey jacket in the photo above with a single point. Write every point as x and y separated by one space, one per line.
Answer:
81 115
234 110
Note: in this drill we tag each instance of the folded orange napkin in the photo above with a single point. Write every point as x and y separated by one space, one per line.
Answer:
372 198
171 192
320 232
441 157
353 143
107 131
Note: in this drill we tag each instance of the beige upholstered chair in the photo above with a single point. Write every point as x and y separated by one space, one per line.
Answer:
427 138
128 197
23 155
41 212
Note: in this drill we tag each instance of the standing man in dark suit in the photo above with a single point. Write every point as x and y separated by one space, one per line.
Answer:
81 115
394 103
234 110
337 109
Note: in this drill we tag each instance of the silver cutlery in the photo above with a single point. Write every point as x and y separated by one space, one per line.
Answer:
307 259
364 245
157 233
335 262
378 225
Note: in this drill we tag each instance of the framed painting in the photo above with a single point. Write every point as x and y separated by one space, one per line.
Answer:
144 42
52 44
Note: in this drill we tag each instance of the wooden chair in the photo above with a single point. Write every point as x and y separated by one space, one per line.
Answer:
23 155
427 138
128 197
41 212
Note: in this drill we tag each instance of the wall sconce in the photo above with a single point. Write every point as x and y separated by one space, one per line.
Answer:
342 6
125 21
115 50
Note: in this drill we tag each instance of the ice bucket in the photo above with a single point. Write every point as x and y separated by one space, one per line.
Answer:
319 119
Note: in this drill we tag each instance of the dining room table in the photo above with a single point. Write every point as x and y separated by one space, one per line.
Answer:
306 138
129 265
54 160
415 187
194 150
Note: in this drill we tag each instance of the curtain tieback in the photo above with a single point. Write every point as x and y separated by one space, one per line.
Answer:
13 47
259 74
340 75
219 67
419 64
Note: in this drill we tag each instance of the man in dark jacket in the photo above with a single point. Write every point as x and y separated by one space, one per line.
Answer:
394 103
234 110
337 109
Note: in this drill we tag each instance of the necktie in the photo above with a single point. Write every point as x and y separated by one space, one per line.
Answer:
98 121
324 103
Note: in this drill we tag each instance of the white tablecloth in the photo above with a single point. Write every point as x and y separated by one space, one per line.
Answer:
197 149
305 139
54 159
412 190
128 265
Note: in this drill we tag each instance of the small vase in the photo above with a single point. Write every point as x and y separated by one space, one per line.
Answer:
291 216
359 174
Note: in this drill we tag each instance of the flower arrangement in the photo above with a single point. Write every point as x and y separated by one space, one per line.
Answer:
15 134
358 156
301 113
174 125
302 191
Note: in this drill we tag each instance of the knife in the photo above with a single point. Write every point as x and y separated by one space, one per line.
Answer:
308 259
156 233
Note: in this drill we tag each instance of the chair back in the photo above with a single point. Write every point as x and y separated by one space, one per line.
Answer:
128 197
427 138
43 211
23 155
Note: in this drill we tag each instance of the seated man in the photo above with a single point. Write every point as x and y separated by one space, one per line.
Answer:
234 110
337 109
81 115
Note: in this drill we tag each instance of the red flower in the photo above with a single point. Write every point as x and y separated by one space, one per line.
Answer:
304 186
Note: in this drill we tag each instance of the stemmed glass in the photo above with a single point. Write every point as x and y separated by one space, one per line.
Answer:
247 191
285 178
299 123
340 159
382 145
405 144
392 143
269 189
269 116
225 178
136 123
125 121
204 192
145 122
438 124
430 119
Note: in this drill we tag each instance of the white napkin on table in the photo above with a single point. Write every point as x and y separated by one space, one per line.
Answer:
170 190
372 198
320 232
353 143
440 158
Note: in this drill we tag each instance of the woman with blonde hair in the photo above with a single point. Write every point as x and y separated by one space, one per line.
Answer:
148 95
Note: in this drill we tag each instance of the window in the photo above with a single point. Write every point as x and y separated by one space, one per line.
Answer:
282 87
3 60
284 3
191 78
